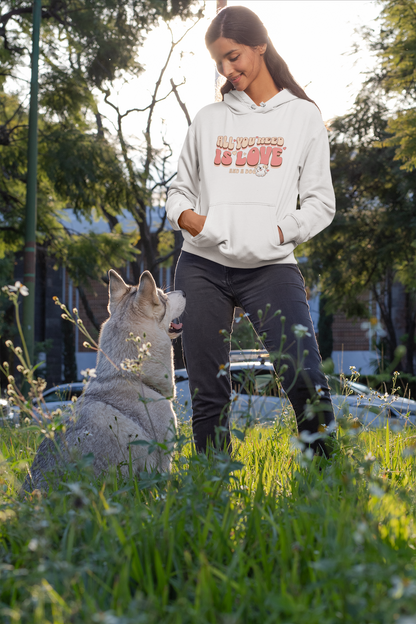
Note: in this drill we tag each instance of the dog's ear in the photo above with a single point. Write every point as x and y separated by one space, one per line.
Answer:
116 289
147 289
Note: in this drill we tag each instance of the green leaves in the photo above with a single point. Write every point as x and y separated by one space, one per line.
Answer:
395 76
83 169
403 130
104 251
369 244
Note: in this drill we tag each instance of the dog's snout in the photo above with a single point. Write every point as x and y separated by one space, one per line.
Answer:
177 292
177 300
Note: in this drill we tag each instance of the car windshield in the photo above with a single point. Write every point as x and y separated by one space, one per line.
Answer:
62 394
338 386
247 378
358 388
254 381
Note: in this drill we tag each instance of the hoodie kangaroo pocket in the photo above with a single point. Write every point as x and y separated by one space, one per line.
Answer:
244 232
208 236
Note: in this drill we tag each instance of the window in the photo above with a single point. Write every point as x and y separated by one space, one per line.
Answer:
62 394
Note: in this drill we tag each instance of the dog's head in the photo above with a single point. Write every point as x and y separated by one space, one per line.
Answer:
147 301
261 171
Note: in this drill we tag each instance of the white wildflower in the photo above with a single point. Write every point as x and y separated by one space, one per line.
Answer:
89 372
300 331
373 327
233 396
17 288
33 544
222 371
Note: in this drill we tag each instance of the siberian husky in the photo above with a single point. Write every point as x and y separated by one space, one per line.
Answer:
123 403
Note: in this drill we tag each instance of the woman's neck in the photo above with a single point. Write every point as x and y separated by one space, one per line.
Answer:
263 88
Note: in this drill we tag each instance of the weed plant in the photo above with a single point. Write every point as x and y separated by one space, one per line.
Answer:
267 535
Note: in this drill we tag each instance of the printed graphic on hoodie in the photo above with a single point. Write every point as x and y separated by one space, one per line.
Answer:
249 154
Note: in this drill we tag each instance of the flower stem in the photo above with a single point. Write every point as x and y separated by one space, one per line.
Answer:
19 327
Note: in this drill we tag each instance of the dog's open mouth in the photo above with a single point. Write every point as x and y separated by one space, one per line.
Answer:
175 328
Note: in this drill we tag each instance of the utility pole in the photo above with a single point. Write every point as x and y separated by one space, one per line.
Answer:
31 192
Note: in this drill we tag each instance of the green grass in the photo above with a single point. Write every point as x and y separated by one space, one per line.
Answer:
266 537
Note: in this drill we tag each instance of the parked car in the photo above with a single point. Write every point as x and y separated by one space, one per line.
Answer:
9 416
253 373
60 397
255 393
362 399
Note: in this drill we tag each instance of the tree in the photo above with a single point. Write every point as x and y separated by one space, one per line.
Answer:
370 244
153 174
395 47
97 175
86 49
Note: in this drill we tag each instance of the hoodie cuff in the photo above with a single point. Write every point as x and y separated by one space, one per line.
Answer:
175 213
290 228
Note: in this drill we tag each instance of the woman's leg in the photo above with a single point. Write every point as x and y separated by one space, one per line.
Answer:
282 287
209 309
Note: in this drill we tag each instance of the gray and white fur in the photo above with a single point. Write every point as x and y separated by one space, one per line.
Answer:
119 406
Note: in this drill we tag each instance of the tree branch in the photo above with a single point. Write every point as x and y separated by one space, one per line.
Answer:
181 104
162 224
112 219
167 256
163 182
142 110
149 119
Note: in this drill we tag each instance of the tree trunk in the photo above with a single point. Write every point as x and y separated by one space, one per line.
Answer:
178 357
385 303
325 337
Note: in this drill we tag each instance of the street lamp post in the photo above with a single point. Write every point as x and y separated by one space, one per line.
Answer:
31 191
220 5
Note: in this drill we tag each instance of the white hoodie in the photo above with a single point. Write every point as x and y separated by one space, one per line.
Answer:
243 166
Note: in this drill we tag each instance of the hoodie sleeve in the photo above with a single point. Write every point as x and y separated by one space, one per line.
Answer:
183 192
316 193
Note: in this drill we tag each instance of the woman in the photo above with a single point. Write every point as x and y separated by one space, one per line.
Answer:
244 163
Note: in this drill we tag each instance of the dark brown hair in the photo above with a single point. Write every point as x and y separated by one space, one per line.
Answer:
245 27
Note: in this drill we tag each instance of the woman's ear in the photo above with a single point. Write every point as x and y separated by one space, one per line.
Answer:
262 48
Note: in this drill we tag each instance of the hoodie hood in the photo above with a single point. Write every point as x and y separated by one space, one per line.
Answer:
240 103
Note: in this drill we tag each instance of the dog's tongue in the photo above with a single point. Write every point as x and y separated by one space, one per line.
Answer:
176 325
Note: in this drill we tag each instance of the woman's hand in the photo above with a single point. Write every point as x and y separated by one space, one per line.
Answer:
191 222
282 238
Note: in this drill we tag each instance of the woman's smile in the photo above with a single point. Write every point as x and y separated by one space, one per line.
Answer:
242 65
236 79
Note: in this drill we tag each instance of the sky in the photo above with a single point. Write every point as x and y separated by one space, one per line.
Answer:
315 37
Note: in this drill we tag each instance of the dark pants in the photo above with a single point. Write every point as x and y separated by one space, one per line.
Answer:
213 291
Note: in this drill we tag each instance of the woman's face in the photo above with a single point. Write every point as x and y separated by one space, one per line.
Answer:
242 65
